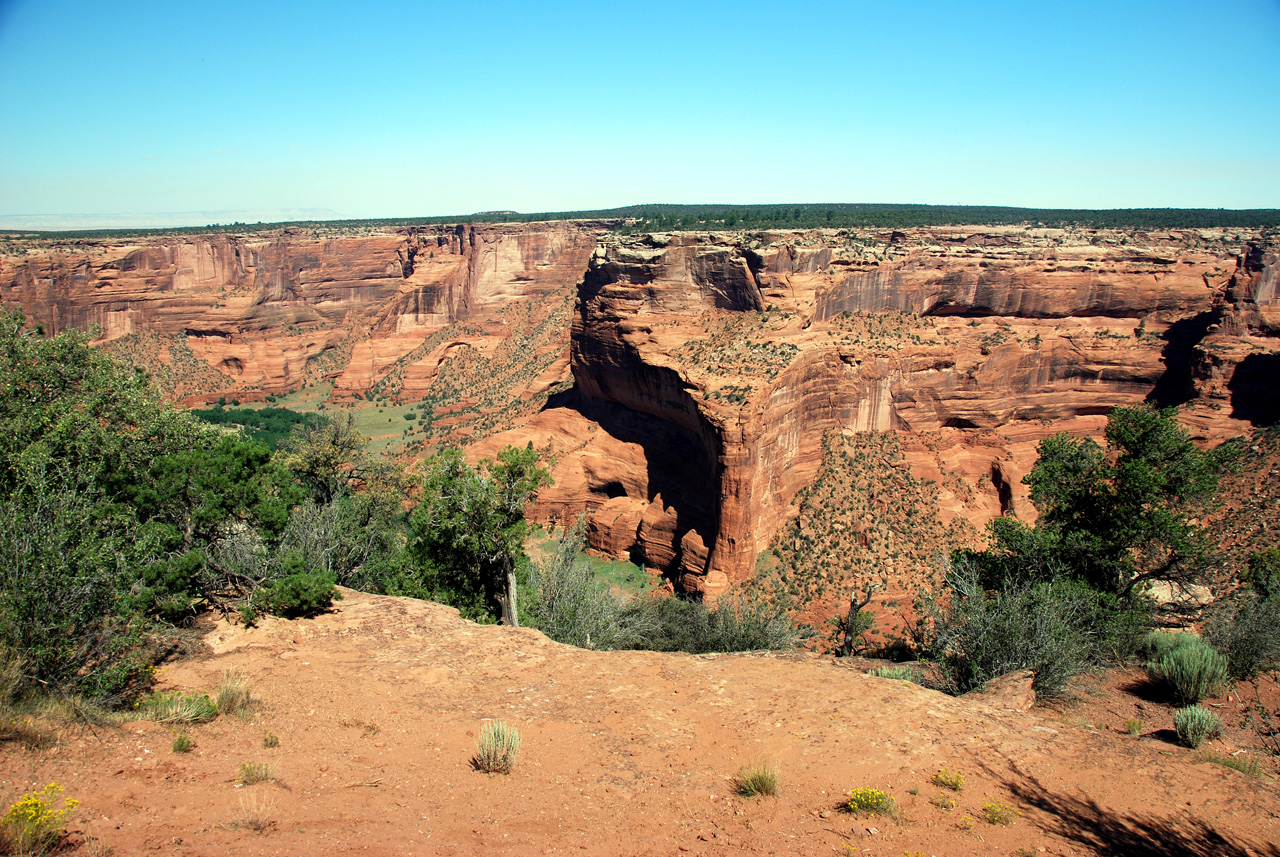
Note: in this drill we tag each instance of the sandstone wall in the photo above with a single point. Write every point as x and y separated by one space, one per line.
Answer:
270 311
706 367
1006 331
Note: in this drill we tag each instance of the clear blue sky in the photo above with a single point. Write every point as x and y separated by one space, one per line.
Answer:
389 109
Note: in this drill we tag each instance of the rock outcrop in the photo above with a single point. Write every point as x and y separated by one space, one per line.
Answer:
750 349
267 312
707 369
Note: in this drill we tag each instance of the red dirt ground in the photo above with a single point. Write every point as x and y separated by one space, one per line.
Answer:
377 706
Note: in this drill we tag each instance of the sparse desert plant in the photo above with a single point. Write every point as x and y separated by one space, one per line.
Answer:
998 812
1191 670
755 780
33 824
910 674
948 780
177 707
270 740
496 748
1195 725
1133 726
252 773
1245 764
232 695
255 812
182 742
942 801
966 823
869 801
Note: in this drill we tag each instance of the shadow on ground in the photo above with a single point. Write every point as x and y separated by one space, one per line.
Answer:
1084 822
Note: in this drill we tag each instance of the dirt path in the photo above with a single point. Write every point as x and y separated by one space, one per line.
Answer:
377 707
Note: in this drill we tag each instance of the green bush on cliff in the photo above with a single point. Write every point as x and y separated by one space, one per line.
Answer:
1246 626
120 517
1068 594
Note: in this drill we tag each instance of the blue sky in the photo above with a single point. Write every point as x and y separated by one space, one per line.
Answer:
387 109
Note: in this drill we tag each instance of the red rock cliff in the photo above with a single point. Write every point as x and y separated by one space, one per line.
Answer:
708 368
265 312
749 349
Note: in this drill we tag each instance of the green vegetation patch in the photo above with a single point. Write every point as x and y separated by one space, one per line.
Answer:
740 344
865 520
268 425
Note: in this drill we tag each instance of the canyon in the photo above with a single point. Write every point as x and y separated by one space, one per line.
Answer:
701 395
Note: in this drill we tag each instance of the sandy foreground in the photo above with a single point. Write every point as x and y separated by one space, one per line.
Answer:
378 703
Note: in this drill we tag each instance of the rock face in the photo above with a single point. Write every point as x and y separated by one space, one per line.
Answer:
707 369
750 349
267 312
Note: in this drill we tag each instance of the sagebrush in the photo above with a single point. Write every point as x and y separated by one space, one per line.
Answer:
496 748
1192 670
1195 725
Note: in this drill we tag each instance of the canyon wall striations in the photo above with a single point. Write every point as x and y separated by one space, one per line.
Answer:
686 384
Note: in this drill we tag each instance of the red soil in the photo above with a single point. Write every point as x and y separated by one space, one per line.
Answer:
377 706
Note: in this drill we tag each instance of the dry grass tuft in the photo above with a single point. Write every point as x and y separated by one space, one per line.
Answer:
177 707
1246 763
757 780
232 695
256 809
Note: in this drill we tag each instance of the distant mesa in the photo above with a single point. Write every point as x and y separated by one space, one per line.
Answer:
160 220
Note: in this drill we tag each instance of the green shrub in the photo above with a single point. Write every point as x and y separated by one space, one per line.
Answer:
496 748
1157 644
1195 725
252 773
756 780
1133 726
66 609
1058 628
1246 630
910 674
304 593
570 606
736 623
1192 671
182 742
119 509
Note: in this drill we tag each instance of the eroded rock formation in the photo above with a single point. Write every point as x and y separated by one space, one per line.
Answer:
244 316
706 369
750 349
